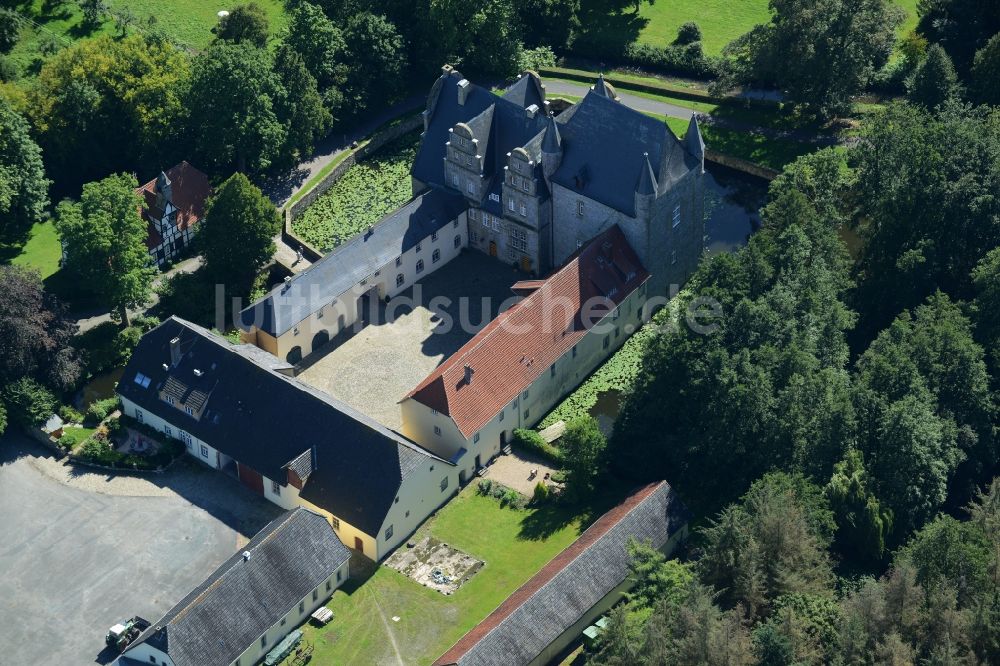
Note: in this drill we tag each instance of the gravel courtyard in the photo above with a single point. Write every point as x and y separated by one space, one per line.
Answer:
82 551
373 370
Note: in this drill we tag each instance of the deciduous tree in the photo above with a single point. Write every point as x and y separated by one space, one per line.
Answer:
231 99
23 186
34 331
245 23
105 242
821 52
237 234
583 446
377 62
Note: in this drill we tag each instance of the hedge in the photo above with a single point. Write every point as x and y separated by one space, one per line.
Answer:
530 440
662 89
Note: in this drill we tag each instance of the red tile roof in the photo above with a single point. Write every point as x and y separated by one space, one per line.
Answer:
593 534
512 351
189 190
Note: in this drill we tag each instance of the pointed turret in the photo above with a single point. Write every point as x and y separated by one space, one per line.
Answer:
604 89
551 148
645 190
164 191
694 142
647 181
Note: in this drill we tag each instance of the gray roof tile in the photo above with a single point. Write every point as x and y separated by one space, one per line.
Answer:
266 420
553 600
239 601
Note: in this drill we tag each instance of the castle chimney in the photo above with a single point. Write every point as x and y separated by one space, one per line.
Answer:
463 91
468 373
175 351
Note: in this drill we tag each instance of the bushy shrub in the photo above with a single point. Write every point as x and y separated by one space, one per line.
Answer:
530 440
485 487
688 59
688 33
28 402
68 441
70 415
537 58
106 346
541 493
3 418
99 410
512 499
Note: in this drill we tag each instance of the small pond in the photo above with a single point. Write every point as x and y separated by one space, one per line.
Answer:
98 388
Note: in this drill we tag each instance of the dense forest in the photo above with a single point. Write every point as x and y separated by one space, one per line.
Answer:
838 421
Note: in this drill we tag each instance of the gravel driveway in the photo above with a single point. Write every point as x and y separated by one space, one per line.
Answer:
83 551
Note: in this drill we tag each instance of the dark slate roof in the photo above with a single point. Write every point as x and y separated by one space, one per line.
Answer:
527 90
358 258
266 421
242 599
555 598
603 142
500 123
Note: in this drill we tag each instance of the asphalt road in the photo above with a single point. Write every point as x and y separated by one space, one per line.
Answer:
73 562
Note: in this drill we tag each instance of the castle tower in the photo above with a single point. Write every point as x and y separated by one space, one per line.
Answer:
645 190
604 89
694 142
551 148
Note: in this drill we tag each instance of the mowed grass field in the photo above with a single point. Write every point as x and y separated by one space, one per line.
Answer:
42 251
189 22
389 618
721 21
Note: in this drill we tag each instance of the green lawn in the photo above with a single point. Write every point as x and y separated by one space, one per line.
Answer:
514 544
191 21
721 20
42 251
188 21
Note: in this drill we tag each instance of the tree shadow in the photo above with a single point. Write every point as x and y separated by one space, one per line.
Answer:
557 514
606 32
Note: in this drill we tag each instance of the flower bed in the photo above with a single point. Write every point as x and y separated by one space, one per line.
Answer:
100 450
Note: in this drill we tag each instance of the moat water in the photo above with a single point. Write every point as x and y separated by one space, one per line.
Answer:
732 203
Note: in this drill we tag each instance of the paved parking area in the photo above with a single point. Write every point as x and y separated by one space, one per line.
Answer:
83 551
375 368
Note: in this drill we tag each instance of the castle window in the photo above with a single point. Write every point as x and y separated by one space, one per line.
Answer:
436 257
434 237
524 209
454 223
677 215
512 205
458 241
673 258
574 351
526 413
552 370
607 341
437 430
579 208
517 237
475 438
388 533
399 261
400 279
417 248
335 522
444 483
470 187
420 266
473 236
454 179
